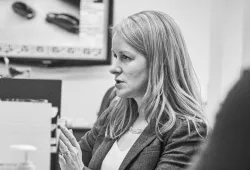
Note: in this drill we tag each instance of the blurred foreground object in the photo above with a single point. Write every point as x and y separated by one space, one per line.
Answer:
228 146
27 164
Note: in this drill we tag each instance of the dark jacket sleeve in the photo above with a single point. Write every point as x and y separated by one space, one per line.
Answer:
228 146
183 143
88 140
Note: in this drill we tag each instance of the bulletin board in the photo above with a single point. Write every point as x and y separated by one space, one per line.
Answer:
37 41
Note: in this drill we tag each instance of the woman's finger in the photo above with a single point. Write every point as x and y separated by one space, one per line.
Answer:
62 147
69 135
66 141
64 152
62 161
69 159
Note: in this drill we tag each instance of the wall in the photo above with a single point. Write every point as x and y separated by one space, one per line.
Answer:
246 36
226 45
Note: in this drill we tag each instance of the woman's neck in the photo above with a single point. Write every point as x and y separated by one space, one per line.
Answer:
140 122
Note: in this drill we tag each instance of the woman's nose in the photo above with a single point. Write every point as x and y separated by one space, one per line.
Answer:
115 69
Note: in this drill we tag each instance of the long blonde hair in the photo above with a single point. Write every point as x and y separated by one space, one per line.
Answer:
172 89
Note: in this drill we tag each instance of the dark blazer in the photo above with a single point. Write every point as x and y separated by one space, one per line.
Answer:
148 152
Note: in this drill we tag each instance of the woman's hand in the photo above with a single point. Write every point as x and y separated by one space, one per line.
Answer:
70 157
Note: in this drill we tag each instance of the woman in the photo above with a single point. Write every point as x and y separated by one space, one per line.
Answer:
156 119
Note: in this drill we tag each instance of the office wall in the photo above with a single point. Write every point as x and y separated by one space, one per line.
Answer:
246 36
225 51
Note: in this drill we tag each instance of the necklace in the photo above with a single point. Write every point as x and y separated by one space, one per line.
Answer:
135 131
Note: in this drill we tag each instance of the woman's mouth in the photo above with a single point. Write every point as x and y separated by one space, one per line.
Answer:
118 81
119 84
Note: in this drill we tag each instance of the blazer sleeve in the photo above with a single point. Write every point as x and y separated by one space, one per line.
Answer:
88 140
182 145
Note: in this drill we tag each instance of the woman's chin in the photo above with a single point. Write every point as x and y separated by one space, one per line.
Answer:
121 94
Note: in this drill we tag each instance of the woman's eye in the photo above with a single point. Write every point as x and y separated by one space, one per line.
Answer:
124 57
114 55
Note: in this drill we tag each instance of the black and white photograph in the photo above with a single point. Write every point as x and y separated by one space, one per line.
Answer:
124 84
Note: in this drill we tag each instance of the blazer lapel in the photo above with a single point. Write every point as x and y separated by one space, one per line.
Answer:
100 154
144 139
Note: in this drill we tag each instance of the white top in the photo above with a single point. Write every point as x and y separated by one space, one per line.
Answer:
114 158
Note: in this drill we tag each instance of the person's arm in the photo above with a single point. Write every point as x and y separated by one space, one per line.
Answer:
70 155
181 146
76 155
88 140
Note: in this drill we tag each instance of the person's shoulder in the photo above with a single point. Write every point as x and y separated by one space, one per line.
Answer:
108 97
187 128
102 119
191 125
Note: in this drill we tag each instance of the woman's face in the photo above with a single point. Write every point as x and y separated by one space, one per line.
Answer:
130 70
